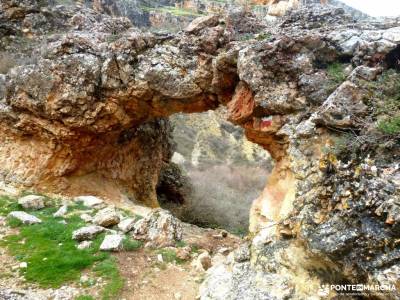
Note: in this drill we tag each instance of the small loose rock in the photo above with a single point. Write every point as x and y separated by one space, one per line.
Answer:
112 242
34 202
87 233
24 217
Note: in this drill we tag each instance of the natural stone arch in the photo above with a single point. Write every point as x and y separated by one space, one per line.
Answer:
82 110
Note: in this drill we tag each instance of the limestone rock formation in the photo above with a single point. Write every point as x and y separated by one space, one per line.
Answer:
158 228
88 116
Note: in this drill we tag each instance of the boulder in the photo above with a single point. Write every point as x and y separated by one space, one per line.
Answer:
341 107
106 217
160 228
61 212
89 201
202 262
32 202
87 233
24 217
201 23
112 242
126 225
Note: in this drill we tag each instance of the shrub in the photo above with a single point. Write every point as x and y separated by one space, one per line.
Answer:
336 73
131 244
169 256
391 126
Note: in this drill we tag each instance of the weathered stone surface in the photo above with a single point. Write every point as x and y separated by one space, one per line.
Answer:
87 233
89 201
24 217
159 228
106 217
242 254
86 217
201 23
126 225
61 212
33 202
112 242
237 281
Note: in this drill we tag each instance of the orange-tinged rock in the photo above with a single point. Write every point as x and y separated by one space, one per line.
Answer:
241 107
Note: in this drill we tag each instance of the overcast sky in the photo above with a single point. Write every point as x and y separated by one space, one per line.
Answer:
376 7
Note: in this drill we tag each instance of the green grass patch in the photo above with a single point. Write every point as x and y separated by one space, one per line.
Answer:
169 256
385 100
13 222
108 269
130 244
390 126
50 252
7 205
195 248
180 244
263 36
239 231
336 72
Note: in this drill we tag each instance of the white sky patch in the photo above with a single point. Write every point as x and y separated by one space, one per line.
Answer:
376 8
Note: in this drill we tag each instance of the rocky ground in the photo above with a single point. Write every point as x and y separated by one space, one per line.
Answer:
153 255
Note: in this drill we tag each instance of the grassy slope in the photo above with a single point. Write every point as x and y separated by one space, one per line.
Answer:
51 254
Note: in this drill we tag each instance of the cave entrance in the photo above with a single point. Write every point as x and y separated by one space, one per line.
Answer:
215 174
392 59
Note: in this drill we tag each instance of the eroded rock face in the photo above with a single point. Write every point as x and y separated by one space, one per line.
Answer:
88 116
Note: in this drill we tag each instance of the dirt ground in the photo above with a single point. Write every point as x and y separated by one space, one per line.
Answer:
148 279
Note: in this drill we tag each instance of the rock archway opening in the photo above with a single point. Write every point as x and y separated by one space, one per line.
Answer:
215 172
